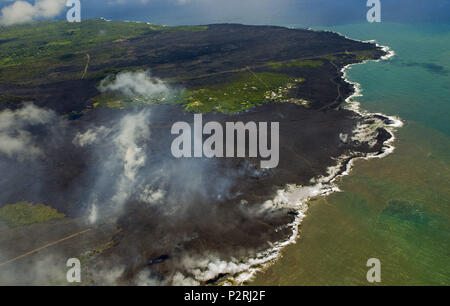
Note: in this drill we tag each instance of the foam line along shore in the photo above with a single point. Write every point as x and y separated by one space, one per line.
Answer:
297 197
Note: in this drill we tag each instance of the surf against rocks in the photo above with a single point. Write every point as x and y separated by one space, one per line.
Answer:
213 146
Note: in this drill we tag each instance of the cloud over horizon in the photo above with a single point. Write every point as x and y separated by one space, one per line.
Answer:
23 12
189 12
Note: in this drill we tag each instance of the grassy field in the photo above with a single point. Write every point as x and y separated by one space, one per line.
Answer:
295 63
242 92
25 213
54 52
28 52
61 40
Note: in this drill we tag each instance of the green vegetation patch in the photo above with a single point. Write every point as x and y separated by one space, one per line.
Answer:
242 92
25 213
26 43
187 28
295 64
29 51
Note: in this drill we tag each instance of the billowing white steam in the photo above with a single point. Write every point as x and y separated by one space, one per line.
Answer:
151 196
129 139
209 266
364 132
135 84
15 138
91 136
109 277
93 215
130 142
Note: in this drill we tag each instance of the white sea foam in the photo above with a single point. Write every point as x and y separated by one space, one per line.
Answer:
297 197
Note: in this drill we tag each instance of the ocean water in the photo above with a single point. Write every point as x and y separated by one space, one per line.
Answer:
416 83
396 209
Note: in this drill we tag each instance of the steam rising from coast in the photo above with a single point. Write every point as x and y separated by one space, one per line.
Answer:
128 176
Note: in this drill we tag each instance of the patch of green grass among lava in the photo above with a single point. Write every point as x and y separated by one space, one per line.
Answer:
295 63
25 213
28 42
29 51
241 93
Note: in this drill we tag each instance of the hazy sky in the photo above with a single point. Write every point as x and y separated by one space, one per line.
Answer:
303 12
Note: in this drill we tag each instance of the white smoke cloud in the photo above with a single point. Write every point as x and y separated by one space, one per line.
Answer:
15 138
127 146
134 133
151 196
93 215
91 136
108 277
22 11
135 84
127 157
207 267
130 144
180 280
144 278
45 270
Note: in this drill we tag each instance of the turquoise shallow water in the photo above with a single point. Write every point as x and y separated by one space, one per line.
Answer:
396 209
415 84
